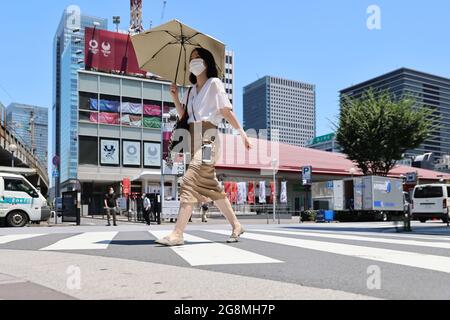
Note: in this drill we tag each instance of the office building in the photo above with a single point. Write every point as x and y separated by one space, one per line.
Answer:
431 91
228 81
68 57
30 124
287 106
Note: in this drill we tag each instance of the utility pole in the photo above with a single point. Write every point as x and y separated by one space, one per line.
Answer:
163 13
116 21
32 132
136 16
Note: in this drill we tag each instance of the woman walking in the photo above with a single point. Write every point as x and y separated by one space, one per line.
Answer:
207 105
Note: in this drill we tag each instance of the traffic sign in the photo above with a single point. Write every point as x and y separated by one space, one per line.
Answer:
411 177
307 175
55 174
56 160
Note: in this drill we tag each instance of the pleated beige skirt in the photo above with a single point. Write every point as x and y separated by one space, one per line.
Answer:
200 183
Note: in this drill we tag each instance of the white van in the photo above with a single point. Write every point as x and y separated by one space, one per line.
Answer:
20 202
430 202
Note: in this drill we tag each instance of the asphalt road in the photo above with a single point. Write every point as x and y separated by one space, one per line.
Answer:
294 261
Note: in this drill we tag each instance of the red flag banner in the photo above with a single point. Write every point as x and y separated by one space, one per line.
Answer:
110 52
234 192
272 192
228 190
126 187
251 193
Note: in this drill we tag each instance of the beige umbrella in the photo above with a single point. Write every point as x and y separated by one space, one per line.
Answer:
165 50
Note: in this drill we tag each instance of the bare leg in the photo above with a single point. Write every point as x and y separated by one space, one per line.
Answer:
227 210
183 219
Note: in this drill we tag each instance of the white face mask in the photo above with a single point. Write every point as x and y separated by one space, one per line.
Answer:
197 67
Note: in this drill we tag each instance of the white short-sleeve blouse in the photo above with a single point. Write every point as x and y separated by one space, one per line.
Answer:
207 104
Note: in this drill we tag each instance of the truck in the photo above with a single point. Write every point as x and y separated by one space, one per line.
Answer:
380 198
20 202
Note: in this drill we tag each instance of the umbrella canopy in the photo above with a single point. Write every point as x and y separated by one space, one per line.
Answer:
165 50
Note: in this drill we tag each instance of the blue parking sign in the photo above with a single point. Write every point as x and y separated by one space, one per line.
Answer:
307 175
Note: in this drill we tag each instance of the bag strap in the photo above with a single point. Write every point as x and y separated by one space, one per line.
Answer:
187 103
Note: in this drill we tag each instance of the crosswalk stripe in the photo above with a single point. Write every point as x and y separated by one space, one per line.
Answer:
443 245
423 236
405 258
376 234
17 237
84 241
202 252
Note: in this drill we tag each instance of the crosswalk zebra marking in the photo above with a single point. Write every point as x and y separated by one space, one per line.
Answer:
405 258
374 234
84 241
203 252
17 237
442 245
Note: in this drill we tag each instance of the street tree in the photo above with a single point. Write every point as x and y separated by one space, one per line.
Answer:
377 129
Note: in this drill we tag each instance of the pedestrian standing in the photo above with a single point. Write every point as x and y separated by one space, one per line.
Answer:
111 206
205 209
147 209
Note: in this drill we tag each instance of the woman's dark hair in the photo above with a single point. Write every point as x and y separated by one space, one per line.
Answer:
210 65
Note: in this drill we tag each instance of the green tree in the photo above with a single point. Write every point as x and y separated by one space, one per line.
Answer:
376 130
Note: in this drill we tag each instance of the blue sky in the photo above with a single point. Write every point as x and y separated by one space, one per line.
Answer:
323 42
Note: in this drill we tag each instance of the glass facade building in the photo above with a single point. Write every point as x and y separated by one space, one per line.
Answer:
286 106
429 90
30 124
68 57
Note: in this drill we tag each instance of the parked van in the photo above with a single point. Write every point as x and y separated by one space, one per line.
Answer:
430 202
20 202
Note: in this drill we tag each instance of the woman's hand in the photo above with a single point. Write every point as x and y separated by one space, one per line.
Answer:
174 92
246 141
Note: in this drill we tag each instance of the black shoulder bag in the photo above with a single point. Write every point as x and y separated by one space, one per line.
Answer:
181 124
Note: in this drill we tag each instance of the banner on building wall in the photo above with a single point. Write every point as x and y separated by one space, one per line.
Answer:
234 192
152 154
109 152
251 193
272 192
131 153
242 193
283 194
126 187
262 192
110 52
228 189
131 108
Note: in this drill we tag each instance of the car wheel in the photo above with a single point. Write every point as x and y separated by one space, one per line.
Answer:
17 219
423 220
445 219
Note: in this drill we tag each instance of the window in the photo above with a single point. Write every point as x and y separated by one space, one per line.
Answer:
19 185
88 150
428 192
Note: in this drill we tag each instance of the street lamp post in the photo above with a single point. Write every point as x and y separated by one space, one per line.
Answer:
164 127
274 196
13 149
